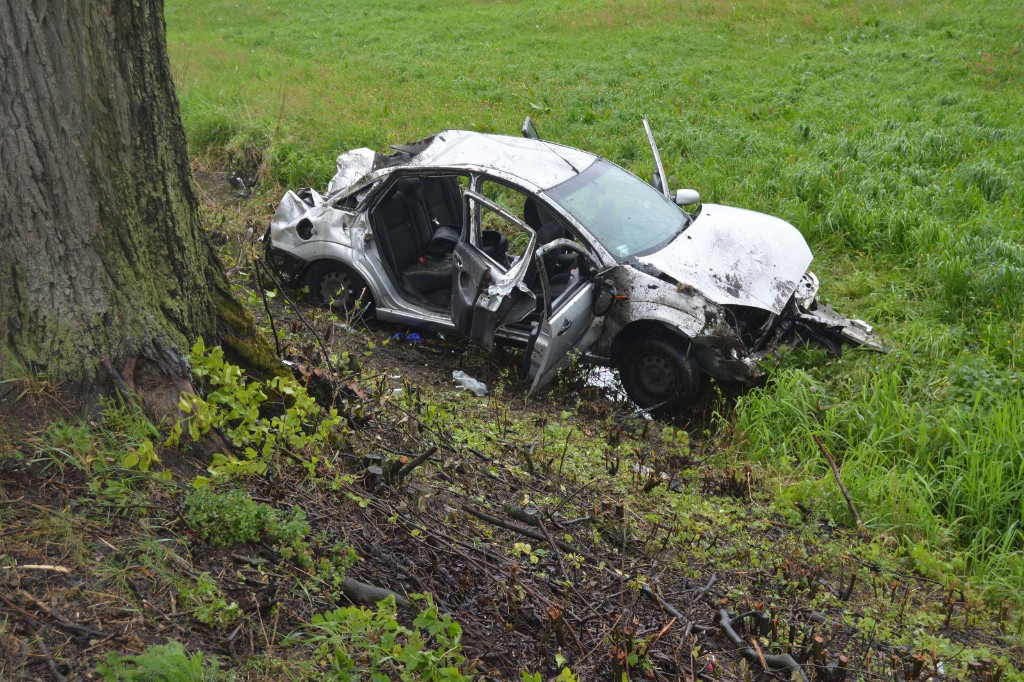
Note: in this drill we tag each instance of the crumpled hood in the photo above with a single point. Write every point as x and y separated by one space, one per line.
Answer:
737 257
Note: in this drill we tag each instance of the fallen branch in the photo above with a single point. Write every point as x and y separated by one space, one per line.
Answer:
784 661
644 587
673 611
45 567
520 514
51 663
554 547
368 595
398 472
775 661
63 622
835 472
526 532
704 590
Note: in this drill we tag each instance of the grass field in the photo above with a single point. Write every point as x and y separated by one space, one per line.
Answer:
888 132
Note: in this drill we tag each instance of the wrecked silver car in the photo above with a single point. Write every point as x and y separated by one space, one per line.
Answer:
558 250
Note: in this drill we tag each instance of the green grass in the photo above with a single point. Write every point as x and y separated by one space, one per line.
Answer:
888 132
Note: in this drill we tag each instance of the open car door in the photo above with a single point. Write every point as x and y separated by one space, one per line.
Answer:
568 321
487 294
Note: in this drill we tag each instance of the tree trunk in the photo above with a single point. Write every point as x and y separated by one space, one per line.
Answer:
104 267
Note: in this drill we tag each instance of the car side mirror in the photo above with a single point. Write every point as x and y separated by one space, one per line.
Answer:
529 130
687 196
605 297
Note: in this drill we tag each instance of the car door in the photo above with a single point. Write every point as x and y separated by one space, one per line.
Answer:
487 294
569 320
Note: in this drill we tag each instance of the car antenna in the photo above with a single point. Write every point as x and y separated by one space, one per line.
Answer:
530 132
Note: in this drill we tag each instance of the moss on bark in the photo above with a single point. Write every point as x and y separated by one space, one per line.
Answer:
104 257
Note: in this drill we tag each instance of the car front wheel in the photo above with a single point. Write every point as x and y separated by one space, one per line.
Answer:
660 375
336 286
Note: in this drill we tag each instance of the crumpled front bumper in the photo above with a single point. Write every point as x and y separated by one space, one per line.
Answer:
804 319
825 326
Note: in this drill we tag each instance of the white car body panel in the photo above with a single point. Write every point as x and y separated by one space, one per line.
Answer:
738 257
539 165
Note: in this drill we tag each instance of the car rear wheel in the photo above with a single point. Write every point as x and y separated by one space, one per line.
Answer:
659 375
334 285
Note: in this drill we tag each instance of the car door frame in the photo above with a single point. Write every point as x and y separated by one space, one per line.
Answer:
572 313
485 294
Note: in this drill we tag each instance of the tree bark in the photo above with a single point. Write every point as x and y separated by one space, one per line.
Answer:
104 266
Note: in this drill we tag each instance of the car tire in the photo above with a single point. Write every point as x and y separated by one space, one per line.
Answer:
336 286
660 375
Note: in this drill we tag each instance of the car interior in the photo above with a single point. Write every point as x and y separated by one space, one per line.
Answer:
418 223
558 264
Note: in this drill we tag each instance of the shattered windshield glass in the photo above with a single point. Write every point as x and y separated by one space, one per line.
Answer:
623 212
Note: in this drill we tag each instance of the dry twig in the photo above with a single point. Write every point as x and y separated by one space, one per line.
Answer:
835 472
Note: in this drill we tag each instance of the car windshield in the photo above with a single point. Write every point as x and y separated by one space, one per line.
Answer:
623 212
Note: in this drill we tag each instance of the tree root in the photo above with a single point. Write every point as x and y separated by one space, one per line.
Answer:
368 595
776 661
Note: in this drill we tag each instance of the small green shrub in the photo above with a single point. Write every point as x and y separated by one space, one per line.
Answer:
351 642
234 405
224 519
207 603
329 571
162 663
229 518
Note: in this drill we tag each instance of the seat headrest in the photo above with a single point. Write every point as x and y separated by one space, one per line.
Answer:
408 185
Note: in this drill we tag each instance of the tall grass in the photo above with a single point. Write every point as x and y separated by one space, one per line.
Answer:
889 133
935 454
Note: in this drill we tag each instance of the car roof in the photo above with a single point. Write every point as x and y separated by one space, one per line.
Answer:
535 164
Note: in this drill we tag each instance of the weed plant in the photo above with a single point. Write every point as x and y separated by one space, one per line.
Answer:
233 517
360 643
239 406
163 663
204 599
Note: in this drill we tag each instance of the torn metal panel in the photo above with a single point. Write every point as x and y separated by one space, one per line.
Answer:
858 332
647 297
727 359
806 290
681 309
296 223
291 207
354 165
